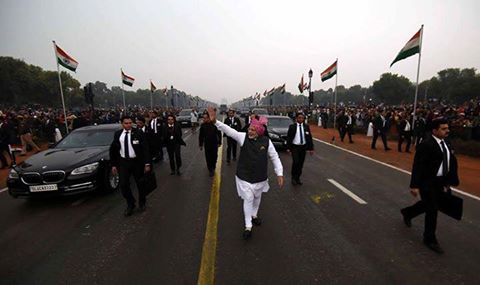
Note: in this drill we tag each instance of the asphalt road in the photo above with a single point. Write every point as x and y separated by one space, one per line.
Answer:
313 233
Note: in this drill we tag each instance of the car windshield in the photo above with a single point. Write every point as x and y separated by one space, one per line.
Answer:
87 138
185 113
279 122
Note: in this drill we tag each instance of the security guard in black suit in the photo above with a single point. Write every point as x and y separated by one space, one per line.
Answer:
129 155
434 171
405 133
380 128
234 123
299 141
209 138
155 127
173 140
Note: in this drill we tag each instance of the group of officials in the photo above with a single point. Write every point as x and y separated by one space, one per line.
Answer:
434 168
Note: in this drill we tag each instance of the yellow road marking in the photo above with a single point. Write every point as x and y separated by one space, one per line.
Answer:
209 250
323 196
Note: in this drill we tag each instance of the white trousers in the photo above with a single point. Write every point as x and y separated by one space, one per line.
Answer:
251 193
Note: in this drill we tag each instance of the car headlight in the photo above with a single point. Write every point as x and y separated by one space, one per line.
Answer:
13 174
274 136
89 168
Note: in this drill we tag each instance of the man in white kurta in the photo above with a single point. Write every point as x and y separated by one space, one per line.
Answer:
252 177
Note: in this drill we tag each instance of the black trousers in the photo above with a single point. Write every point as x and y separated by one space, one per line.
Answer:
375 136
345 130
298 158
404 137
174 155
231 148
211 156
127 168
155 145
430 195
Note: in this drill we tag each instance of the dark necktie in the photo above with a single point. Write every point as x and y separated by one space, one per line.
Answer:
301 134
125 145
445 159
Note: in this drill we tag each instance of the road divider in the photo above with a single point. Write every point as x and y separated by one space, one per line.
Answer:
348 192
206 274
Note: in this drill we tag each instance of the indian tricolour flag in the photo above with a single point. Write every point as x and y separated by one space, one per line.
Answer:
329 72
413 46
64 59
127 80
152 86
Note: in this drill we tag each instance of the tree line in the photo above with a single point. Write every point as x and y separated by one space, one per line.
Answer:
22 83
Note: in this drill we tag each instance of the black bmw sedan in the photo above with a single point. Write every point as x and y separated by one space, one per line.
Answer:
78 163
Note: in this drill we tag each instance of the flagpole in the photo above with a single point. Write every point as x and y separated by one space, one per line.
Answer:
335 104
416 87
61 88
151 95
123 93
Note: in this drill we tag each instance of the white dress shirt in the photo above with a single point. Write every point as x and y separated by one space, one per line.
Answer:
440 169
296 139
131 151
153 125
407 126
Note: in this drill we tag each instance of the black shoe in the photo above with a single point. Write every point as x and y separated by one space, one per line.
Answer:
172 173
434 246
128 211
407 221
142 208
257 221
374 148
234 159
179 173
299 182
387 149
294 182
228 161
350 142
247 234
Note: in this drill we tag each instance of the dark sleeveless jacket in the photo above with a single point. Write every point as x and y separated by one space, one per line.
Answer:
253 161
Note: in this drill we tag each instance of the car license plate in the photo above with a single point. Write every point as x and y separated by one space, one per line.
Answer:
44 188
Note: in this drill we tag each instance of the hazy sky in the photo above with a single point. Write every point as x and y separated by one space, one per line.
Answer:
232 49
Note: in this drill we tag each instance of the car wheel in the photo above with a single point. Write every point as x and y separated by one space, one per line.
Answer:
112 182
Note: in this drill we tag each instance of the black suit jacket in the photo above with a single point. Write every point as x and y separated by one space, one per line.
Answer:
141 148
401 128
426 163
177 135
236 125
292 132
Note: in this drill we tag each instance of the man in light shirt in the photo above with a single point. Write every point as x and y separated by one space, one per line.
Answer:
252 167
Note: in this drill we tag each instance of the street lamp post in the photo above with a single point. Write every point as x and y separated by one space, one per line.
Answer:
310 94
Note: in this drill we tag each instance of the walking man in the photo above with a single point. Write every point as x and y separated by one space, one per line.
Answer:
299 141
234 123
172 134
380 129
155 130
434 171
252 168
129 155
405 133
210 138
